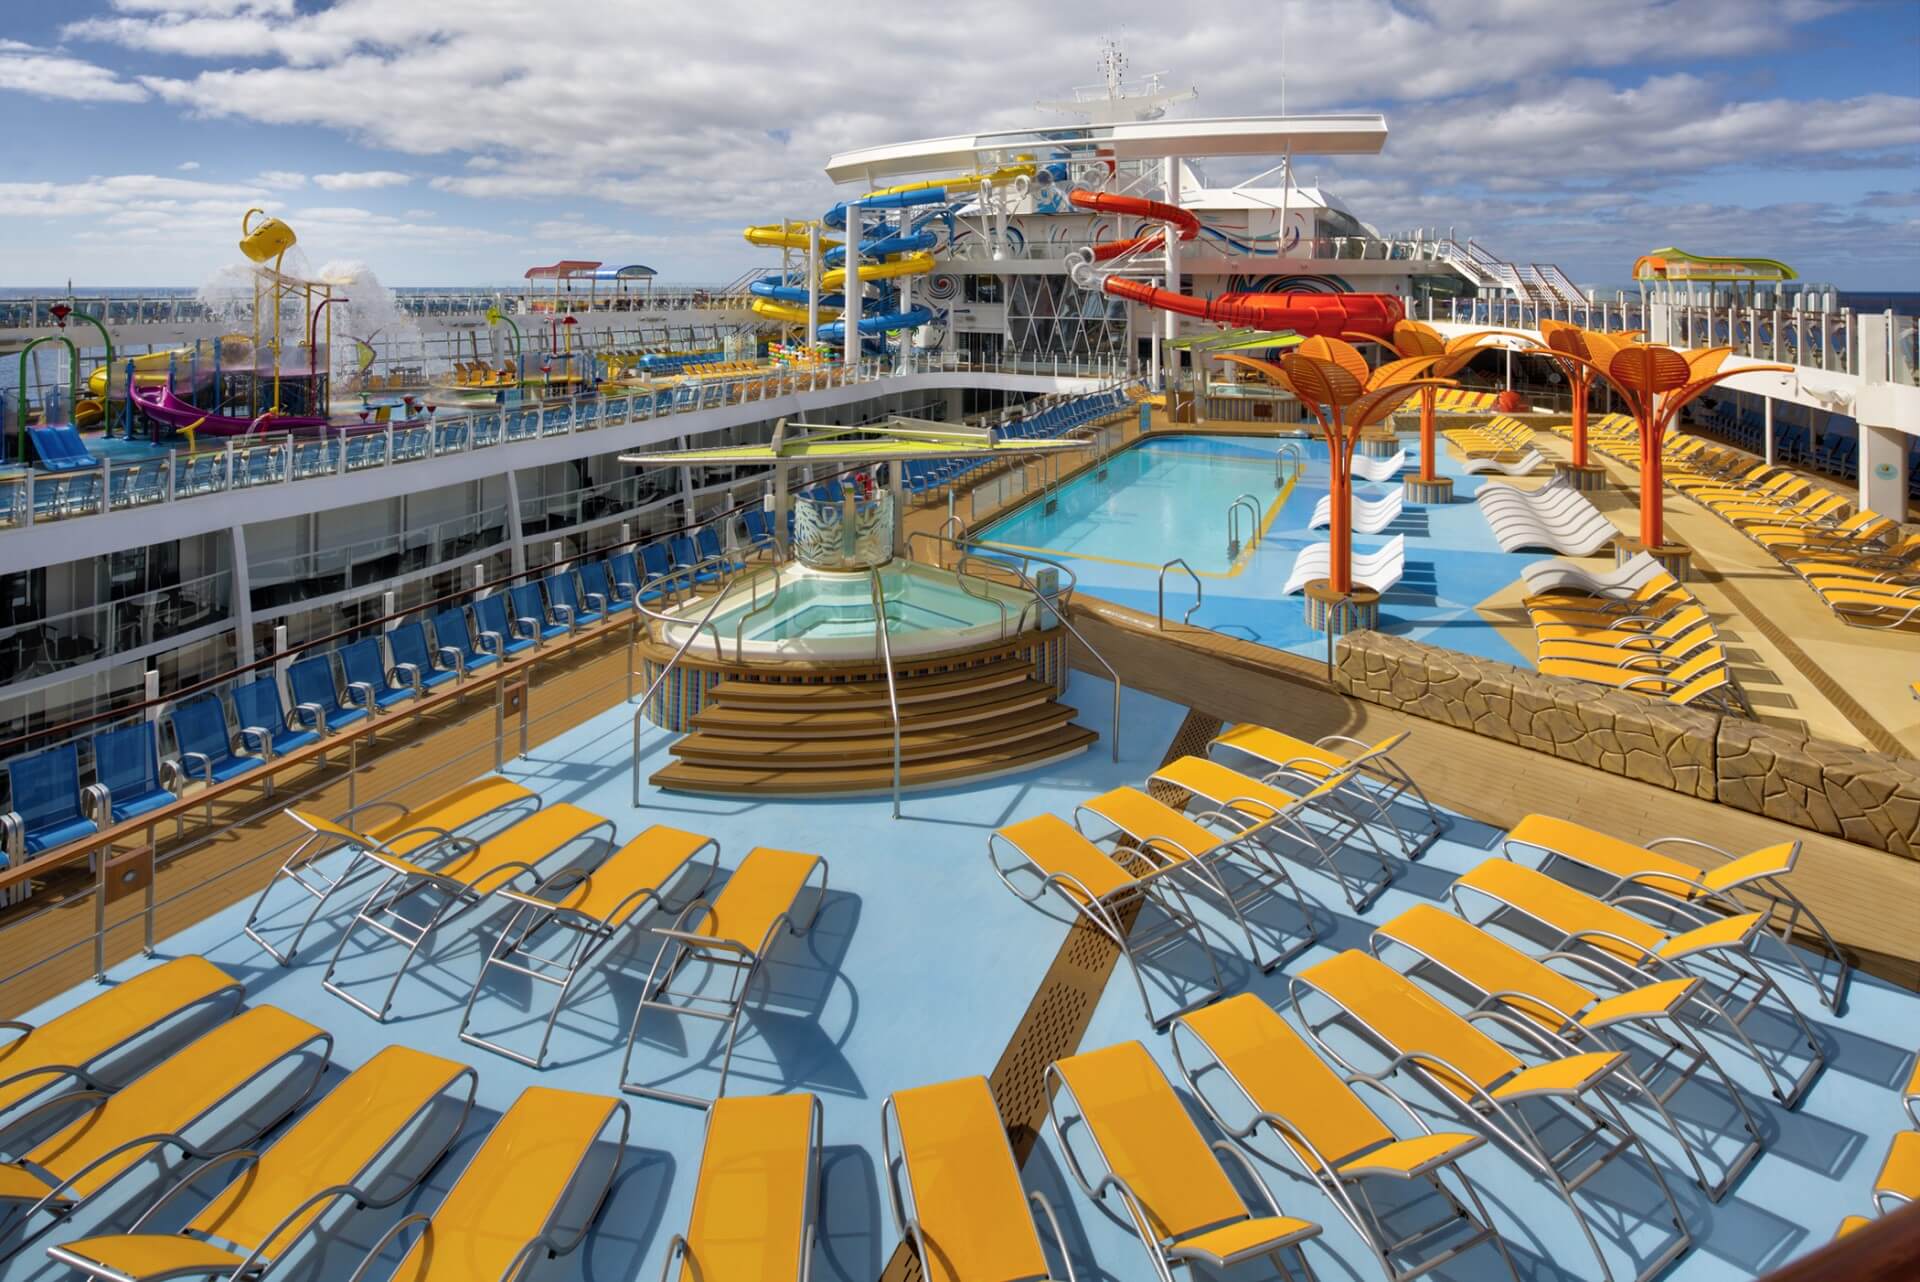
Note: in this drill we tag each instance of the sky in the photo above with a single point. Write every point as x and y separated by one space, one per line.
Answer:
446 142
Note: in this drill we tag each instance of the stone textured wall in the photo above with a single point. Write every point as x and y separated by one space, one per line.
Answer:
1862 796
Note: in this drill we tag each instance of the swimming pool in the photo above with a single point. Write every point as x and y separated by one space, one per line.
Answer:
1167 496
817 614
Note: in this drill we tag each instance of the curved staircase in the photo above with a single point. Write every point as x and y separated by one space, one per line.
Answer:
802 739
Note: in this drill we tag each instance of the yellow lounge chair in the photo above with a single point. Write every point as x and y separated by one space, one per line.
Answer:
503 1212
406 831
1709 892
1630 947
1497 974
594 906
162 1108
69 1047
955 1188
1873 606
464 879
1488 1082
1161 834
1654 602
1272 1075
1899 1178
1383 779
757 1195
1152 1159
1625 633
1103 892
1910 1095
339 1149
1256 802
734 932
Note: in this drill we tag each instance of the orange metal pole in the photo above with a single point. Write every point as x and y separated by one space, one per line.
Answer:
1426 433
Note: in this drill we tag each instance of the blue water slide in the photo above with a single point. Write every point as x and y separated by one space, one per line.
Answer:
837 216
885 322
883 247
775 288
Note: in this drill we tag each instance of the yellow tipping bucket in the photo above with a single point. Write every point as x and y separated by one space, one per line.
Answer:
267 239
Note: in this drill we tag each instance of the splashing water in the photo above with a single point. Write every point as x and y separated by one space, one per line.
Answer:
370 314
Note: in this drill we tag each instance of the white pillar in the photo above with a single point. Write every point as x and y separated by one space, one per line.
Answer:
896 485
1170 322
906 299
242 597
516 537
1883 449
1766 413
782 504
813 284
850 314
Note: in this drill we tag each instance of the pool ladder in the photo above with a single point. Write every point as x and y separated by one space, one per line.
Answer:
1251 506
1199 593
1288 464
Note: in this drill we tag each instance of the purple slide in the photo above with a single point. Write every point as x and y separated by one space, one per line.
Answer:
163 407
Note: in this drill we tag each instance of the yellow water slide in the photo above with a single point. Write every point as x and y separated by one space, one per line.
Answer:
149 370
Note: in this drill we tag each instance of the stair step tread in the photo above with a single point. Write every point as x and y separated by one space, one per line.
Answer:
960 706
853 694
763 780
936 741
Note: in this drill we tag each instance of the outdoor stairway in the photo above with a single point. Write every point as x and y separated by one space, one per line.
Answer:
774 739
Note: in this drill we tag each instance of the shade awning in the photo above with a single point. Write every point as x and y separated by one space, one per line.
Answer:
566 267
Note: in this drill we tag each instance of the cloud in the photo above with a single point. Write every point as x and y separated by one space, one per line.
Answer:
188 165
281 179
361 180
44 73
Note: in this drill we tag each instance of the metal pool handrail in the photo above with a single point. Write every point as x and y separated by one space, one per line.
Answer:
1252 505
640 713
1287 453
1199 593
884 644
756 606
1044 604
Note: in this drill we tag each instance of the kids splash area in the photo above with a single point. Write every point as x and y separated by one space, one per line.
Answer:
1075 722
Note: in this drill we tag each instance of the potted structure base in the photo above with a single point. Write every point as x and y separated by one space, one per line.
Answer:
1676 557
1585 477
1356 611
1430 490
1379 444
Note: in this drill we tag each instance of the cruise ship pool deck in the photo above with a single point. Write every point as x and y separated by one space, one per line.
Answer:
920 967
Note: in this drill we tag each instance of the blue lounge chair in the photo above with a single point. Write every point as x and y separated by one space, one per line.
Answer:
127 777
46 803
370 684
501 635
530 612
566 602
204 744
264 731
454 635
413 661
600 590
707 541
316 696
656 563
687 559
60 449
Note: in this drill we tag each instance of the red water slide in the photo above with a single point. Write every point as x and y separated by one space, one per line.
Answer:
1304 314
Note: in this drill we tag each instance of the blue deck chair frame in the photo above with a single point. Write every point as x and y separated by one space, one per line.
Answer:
599 587
370 682
530 611
264 730
316 696
565 598
413 661
47 809
502 635
129 778
453 634
204 744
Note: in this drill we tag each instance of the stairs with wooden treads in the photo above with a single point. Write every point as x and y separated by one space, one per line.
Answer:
776 739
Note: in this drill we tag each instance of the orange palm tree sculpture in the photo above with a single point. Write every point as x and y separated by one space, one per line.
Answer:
1412 339
1580 355
1332 380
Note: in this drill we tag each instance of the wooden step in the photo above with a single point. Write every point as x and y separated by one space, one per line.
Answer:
806 752
765 780
958 708
869 692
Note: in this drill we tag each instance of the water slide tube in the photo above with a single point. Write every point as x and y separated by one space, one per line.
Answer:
149 370
1305 314
163 407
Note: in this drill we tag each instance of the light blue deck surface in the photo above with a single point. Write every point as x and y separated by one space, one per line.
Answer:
1176 506
918 970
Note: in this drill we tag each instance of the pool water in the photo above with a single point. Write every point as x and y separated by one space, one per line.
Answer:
827 614
1168 496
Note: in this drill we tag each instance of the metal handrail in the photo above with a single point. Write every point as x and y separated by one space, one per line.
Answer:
1199 593
1252 505
1044 603
1288 453
756 607
640 713
1334 609
884 643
